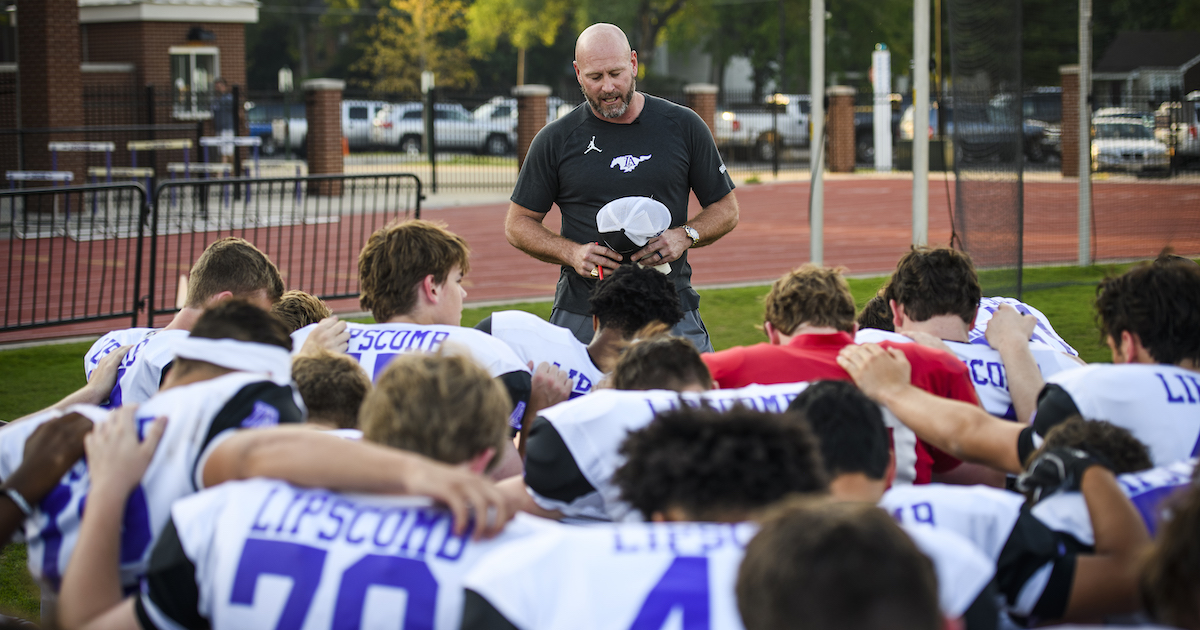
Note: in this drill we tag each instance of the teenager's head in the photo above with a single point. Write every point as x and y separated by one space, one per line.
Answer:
849 427
405 260
1111 443
1170 580
876 313
333 387
235 319
442 405
661 362
929 282
701 464
298 309
810 295
836 566
232 265
632 297
1159 303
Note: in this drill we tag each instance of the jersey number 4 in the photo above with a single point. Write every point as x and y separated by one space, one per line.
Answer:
683 586
303 565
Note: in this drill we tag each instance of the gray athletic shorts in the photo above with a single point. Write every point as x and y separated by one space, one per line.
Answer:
690 327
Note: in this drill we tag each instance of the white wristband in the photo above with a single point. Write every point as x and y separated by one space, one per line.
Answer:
16 497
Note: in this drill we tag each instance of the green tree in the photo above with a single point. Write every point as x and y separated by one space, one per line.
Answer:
412 36
523 23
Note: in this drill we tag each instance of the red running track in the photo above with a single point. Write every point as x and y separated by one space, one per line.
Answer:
867 228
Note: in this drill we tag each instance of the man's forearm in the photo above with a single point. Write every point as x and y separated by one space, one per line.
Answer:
92 583
716 220
1024 376
960 429
531 237
311 458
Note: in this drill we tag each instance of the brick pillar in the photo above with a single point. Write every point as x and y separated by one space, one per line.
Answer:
1068 138
323 100
531 116
840 130
702 98
51 84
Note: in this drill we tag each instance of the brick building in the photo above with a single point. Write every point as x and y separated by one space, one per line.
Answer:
88 64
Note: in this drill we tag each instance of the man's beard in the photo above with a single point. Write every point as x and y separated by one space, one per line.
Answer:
615 110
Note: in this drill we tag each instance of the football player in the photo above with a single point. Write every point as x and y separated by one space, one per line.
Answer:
229 267
631 298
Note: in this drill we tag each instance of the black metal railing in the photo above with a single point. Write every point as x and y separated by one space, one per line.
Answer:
311 227
81 253
73 254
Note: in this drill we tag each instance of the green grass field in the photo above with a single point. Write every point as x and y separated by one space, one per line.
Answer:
34 378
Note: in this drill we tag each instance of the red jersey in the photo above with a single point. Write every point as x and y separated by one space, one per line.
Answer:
813 357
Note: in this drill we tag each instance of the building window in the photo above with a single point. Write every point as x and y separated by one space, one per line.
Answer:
193 69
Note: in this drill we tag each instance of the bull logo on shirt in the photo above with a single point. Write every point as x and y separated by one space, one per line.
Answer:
627 162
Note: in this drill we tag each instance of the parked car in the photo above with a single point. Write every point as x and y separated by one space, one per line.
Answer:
1042 108
752 128
1123 144
1178 126
503 110
864 130
269 121
402 126
985 132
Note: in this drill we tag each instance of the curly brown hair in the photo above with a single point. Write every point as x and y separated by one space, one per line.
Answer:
441 405
657 360
808 294
397 258
298 309
929 282
877 313
1170 579
333 387
1159 302
711 464
1116 445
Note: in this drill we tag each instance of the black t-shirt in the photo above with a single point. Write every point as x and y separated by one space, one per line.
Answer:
581 163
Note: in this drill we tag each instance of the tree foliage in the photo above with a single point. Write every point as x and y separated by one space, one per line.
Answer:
524 23
412 36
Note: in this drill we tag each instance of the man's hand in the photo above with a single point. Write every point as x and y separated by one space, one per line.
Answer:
1008 325
664 248
104 377
116 458
876 371
467 495
51 450
330 334
550 385
586 258
927 340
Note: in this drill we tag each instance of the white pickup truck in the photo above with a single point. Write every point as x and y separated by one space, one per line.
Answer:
752 128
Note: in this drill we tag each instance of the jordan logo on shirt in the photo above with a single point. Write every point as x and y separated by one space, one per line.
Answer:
592 147
628 162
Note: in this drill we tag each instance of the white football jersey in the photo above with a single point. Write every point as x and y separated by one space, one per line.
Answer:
1067 511
141 370
981 514
1043 332
199 415
1159 404
592 428
985 368
375 345
109 342
265 554
537 340
642 575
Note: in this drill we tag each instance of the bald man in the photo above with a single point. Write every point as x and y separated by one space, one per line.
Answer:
620 143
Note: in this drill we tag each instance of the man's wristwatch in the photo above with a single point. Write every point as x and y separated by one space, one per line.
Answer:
692 234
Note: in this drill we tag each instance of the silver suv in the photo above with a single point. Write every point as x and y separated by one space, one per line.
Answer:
402 126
